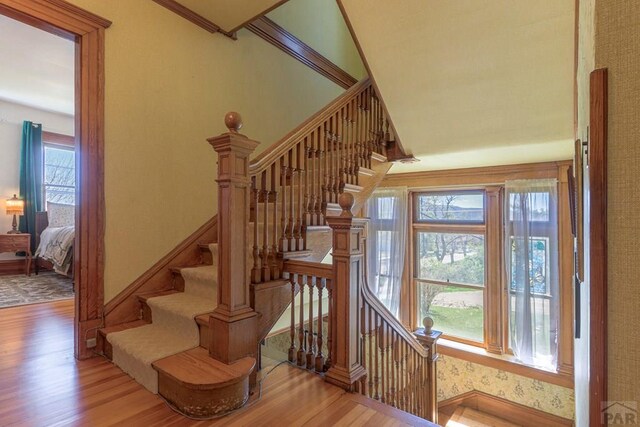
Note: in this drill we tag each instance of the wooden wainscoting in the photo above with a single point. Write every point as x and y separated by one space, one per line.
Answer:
501 408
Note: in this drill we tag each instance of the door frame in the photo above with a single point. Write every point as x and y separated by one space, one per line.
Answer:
87 31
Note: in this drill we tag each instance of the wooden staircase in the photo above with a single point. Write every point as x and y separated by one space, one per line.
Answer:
278 216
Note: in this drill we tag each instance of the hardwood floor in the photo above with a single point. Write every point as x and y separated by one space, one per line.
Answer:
41 384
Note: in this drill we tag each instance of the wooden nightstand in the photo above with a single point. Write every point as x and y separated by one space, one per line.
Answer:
17 243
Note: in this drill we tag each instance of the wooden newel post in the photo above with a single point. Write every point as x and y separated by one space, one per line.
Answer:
348 265
429 340
233 323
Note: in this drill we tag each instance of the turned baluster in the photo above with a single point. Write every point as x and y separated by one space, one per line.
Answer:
319 361
299 237
383 363
352 145
273 260
330 325
292 202
284 171
302 281
363 346
319 178
310 338
370 350
264 254
255 271
340 149
376 379
325 166
292 328
392 369
311 176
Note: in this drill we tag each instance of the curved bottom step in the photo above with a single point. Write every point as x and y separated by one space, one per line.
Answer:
200 386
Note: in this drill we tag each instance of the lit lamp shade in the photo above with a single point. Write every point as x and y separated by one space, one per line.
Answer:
15 206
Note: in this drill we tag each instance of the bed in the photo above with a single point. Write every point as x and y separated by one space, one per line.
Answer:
55 237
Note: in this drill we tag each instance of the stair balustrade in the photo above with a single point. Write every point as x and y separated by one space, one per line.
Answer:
296 181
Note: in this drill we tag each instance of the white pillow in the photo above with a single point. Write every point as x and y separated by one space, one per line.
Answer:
61 215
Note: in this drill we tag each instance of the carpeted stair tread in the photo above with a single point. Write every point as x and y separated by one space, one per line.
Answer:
201 280
134 350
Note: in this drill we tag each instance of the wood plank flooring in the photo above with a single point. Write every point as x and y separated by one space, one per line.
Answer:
41 384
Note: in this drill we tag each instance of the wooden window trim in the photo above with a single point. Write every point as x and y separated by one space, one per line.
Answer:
58 139
491 180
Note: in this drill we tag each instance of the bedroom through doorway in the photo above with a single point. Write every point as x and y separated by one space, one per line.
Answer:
38 176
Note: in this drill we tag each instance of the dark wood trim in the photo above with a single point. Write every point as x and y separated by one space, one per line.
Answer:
259 15
87 30
399 147
194 17
288 43
122 308
58 138
470 177
598 243
502 408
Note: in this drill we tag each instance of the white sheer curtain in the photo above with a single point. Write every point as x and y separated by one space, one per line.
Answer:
531 261
386 244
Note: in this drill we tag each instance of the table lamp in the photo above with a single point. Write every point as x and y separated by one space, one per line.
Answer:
15 206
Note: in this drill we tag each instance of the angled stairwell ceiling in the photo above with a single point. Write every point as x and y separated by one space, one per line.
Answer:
230 15
472 83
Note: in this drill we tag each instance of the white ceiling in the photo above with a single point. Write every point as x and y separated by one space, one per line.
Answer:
473 82
37 68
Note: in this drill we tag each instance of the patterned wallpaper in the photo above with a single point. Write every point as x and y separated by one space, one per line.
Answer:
456 376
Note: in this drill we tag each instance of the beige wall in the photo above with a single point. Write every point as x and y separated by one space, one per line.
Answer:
319 23
617 47
168 85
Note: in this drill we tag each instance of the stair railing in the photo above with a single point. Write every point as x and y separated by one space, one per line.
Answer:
295 180
372 352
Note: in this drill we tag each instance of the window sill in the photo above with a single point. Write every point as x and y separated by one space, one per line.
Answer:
504 362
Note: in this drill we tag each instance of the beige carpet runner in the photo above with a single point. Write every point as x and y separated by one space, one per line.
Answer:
173 330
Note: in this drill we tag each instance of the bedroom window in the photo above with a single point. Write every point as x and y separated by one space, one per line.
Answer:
59 175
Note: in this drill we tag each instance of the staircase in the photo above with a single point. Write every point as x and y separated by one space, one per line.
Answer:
196 337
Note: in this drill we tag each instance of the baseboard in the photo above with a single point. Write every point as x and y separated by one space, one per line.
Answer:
124 307
502 408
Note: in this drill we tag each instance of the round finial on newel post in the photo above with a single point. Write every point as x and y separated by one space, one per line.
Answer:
233 121
427 322
346 203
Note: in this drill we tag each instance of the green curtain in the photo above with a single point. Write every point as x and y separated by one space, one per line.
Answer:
31 177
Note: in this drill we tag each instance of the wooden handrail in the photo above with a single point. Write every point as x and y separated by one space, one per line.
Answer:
281 147
389 318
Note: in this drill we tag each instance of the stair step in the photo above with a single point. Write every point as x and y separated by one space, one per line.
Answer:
366 171
203 326
378 157
352 188
205 251
145 310
202 387
103 346
294 254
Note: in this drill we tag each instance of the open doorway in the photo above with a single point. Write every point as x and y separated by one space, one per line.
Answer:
86 32
37 166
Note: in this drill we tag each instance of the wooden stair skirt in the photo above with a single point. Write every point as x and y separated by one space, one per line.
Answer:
202 387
